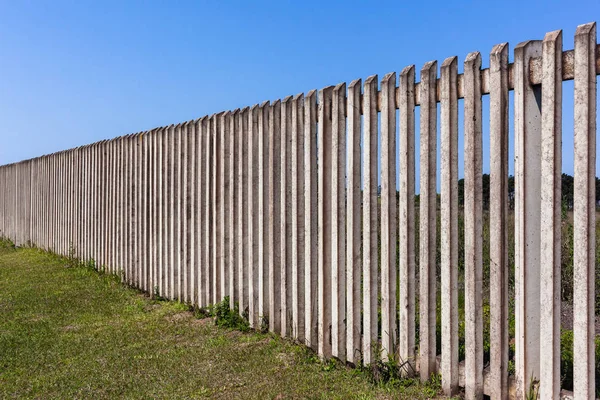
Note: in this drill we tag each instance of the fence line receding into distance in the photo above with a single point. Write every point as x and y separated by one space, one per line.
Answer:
278 207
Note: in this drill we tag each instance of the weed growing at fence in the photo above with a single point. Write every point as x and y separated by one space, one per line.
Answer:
228 317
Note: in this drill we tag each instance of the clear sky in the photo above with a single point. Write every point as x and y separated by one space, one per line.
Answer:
75 72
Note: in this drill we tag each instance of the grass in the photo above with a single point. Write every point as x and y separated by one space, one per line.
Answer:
70 332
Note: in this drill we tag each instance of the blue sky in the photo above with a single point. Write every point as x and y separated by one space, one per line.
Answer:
74 72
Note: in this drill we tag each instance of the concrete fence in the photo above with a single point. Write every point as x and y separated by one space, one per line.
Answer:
281 207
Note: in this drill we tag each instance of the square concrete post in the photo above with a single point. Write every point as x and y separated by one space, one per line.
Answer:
192 213
274 217
353 227
370 231
263 217
406 213
253 217
184 278
584 212
498 381
223 215
324 220
162 228
204 225
177 213
338 218
427 220
550 219
232 228
388 216
285 226
310 220
242 133
449 224
527 218
216 233
473 220
298 239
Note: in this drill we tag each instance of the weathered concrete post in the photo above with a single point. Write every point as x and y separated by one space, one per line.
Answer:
527 218
353 223
449 224
473 217
298 237
274 238
253 217
370 231
338 218
388 215
550 219
499 222
263 217
285 227
243 244
584 212
406 213
192 212
232 263
324 220
310 219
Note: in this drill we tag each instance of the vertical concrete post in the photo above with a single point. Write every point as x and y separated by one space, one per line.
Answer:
94 222
143 215
298 208
91 200
216 233
406 212
148 223
83 201
232 198
184 278
338 218
203 197
155 167
104 206
207 207
134 209
310 219
192 212
161 215
584 212
550 228
178 225
224 190
243 244
285 227
449 212
129 209
172 199
324 219
388 215
473 220
59 203
353 223
263 223
253 216
498 212
274 239
166 208
370 231
113 201
527 218
197 213
121 205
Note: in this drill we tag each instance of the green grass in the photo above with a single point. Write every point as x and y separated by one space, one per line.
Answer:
69 332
